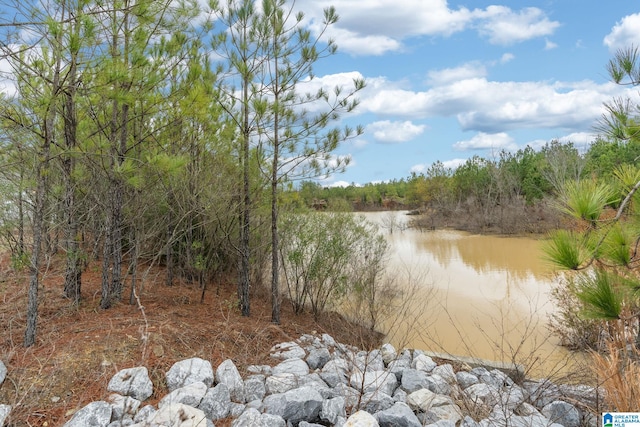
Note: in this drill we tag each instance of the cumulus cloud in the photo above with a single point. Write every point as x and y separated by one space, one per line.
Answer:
484 141
375 28
419 168
463 72
343 184
394 132
453 164
503 26
624 34
491 106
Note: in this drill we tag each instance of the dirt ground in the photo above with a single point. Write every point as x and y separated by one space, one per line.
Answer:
79 348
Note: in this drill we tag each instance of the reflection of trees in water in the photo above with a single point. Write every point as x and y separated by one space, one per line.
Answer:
519 258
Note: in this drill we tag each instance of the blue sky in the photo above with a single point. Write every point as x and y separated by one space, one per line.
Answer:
447 80
451 79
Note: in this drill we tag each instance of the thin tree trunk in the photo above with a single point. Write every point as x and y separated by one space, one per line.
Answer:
275 267
73 273
38 226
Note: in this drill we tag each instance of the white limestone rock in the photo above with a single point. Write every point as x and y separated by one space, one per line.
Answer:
189 371
134 382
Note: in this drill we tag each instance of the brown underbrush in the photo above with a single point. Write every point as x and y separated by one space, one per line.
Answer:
79 348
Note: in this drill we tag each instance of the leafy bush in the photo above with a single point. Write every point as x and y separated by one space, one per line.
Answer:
327 256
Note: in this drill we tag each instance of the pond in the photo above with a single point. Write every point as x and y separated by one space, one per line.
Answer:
478 296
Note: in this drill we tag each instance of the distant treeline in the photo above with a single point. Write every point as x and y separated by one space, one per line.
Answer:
510 193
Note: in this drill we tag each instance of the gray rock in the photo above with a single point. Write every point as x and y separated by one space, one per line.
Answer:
227 374
335 371
254 388
427 418
216 403
511 397
367 361
144 414
190 395
400 395
483 393
562 413
586 395
424 363
467 421
306 424
3 373
123 422
293 366
255 404
5 410
413 380
281 383
287 350
178 415
270 420
332 379
373 402
122 406
132 382
302 404
236 409
361 419
372 381
249 418
466 379
542 392
448 412
351 395
526 409
399 415
437 384
318 357
442 423
445 372
260 370
420 400
95 414
398 367
312 380
388 353
189 371
328 340
332 409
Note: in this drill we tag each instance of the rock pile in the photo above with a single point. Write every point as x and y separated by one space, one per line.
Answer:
319 382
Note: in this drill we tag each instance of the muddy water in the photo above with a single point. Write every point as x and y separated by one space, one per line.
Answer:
472 295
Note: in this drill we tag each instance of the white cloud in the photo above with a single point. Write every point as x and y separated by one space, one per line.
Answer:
378 27
328 83
578 138
549 45
624 34
484 141
342 184
449 75
453 164
504 26
507 57
492 107
394 132
420 168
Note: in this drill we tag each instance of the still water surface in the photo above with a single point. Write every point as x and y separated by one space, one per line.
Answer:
474 295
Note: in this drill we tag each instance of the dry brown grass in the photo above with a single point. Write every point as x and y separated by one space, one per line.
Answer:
619 376
80 348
